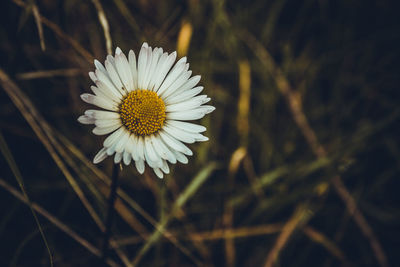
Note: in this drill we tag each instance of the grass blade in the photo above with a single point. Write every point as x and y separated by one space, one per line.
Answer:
15 170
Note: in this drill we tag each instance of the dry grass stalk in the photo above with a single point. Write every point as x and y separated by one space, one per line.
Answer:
294 101
104 24
60 225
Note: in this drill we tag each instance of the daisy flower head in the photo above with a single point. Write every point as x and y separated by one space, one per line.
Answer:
146 108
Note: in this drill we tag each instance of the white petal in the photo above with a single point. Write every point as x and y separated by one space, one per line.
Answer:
147 73
180 157
124 71
112 92
110 59
99 93
163 69
113 138
158 172
142 65
190 104
151 163
132 64
150 75
101 114
100 156
105 79
114 76
176 98
140 165
176 71
165 167
127 158
201 138
109 89
130 143
106 130
206 109
104 92
189 115
111 150
99 101
183 135
117 158
185 116
100 67
118 51
162 149
179 134
182 79
187 126
120 145
84 119
192 82
157 75
140 147
175 144
149 150
103 123
93 76
131 147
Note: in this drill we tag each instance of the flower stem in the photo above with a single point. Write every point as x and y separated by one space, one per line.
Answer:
110 211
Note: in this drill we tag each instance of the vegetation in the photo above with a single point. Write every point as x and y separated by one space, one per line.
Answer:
303 162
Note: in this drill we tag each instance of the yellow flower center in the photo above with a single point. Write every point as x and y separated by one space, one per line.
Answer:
142 112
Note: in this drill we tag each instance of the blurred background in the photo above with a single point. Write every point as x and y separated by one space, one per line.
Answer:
303 162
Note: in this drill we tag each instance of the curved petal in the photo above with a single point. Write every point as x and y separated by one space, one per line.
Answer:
175 144
158 172
126 158
100 156
117 157
106 130
123 68
176 98
113 138
139 164
133 65
187 126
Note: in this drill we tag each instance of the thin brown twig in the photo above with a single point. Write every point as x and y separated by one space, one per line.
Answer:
120 206
121 194
214 235
102 182
60 225
44 133
49 73
252 177
18 176
360 220
294 102
36 15
104 24
288 229
54 27
236 158
186 194
242 126
323 240
246 232
26 109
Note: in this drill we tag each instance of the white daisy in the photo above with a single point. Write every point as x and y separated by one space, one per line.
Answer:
146 105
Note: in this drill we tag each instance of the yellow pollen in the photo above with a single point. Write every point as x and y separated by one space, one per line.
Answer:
142 112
